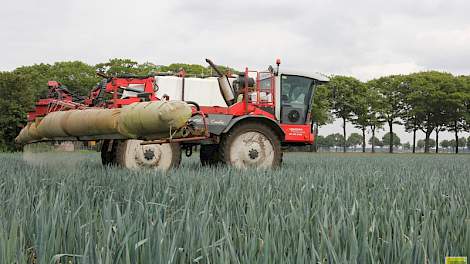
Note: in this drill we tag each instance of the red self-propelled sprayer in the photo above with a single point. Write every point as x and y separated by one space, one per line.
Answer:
242 120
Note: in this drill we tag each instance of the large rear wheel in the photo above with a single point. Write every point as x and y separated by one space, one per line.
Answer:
251 145
130 154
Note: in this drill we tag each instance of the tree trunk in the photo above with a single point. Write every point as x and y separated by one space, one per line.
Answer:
363 139
426 144
456 138
437 140
344 134
390 125
414 140
373 137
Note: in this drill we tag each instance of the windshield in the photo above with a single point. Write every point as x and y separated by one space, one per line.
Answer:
296 90
296 98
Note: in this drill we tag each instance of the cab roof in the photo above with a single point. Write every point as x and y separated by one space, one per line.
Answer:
314 75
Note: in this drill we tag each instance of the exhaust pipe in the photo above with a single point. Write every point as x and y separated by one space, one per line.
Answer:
224 85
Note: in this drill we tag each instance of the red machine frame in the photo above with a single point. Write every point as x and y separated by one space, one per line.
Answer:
64 101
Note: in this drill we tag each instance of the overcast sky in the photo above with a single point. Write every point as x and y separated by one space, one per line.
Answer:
365 39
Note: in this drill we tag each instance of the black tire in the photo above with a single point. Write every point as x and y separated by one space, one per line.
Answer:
229 140
108 154
127 158
209 155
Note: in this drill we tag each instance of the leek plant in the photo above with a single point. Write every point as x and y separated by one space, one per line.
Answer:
317 208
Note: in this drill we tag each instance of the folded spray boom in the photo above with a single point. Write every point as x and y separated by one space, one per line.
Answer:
155 119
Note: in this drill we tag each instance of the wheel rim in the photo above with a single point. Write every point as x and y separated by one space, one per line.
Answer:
252 149
148 156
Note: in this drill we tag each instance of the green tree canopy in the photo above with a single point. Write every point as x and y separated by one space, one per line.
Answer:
386 139
354 140
119 67
196 69
375 117
462 141
335 140
457 106
445 143
422 143
38 76
320 141
406 145
344 91
79 77
426 94
391 102
321 114
16 98
375 141
362 110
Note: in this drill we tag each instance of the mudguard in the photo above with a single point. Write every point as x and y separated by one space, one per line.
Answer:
215 122
260 119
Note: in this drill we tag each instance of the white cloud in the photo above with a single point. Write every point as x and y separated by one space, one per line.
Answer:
368 37
368 72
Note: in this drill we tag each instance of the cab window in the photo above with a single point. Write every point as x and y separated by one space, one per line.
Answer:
296 90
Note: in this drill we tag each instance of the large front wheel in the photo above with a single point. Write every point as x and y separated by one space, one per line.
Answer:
130 154
251 145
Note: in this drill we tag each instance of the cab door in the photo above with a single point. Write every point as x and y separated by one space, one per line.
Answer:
296 99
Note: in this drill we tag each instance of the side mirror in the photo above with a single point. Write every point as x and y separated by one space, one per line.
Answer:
271 69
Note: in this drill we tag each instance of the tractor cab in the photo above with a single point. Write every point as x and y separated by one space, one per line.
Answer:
284 97
288 95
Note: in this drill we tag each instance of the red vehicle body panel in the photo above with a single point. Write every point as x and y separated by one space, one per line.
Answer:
298 133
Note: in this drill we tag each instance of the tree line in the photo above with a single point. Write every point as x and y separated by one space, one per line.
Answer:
20 88
354 140
428 101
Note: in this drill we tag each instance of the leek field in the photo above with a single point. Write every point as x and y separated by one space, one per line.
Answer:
319 208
